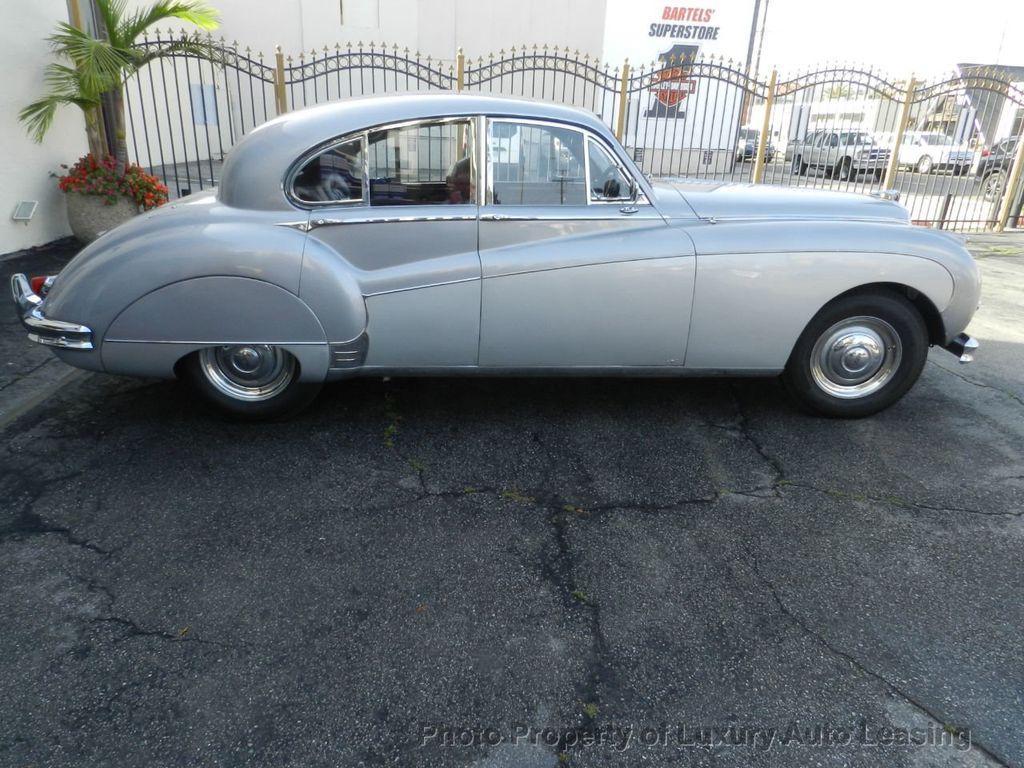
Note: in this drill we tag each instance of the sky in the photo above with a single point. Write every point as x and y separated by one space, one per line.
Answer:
899 36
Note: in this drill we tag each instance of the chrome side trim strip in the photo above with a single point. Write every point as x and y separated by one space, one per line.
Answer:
349 354
209 343
329 222
302 226
568 216
403 289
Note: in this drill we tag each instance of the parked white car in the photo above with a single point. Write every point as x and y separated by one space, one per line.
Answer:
926 151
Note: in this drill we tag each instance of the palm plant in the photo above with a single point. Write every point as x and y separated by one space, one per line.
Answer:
90 68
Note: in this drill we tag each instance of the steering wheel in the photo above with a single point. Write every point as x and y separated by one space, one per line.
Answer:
611 186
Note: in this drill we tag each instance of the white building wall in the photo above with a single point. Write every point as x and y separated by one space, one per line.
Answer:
25 173
432 27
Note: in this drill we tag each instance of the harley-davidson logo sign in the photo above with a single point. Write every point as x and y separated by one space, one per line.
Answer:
672 84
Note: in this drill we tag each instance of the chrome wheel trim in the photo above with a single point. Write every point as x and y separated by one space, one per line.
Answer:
248 372
993 186
856 357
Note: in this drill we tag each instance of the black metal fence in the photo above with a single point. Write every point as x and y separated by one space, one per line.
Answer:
947 146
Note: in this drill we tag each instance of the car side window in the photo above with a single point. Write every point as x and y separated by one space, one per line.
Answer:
424 164
607 180
332 176
833 140
535 164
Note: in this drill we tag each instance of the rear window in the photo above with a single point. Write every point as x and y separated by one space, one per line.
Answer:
333 176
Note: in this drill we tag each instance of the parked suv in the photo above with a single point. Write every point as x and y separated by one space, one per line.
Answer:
995 167
842 155
746 146
797 146
926 151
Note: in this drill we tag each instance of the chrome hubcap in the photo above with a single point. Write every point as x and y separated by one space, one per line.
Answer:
856 357
250 372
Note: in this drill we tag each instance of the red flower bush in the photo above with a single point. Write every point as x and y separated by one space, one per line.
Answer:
100 177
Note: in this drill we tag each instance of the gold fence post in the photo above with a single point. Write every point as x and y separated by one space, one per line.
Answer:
766 124
1010 189
620 121
901 128
280 97
460 69
75 13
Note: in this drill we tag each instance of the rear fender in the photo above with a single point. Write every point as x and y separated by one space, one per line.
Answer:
155 332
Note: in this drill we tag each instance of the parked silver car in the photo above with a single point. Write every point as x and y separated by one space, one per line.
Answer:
842 155
459 234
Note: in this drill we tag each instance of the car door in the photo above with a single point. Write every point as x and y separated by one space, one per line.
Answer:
401 209
578 271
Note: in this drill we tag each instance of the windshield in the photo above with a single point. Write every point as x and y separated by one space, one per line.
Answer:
847 139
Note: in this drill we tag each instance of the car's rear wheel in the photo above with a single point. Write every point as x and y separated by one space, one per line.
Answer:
799 166
924 165
859 355
249 381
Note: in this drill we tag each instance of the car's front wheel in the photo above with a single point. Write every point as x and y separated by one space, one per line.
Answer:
924 165
859 355
249 381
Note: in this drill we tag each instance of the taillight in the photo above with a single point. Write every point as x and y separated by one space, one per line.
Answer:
40 284
986 152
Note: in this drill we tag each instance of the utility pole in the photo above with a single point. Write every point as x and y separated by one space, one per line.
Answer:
753 34
746 104
760 40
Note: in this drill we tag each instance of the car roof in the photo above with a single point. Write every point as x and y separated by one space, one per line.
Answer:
255 167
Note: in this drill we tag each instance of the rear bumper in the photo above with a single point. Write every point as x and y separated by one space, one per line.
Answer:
964 347
41 329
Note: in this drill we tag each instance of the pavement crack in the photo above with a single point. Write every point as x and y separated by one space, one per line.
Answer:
29 523
743 428
982 385
132 629
25 374
894 501
560 570
808 631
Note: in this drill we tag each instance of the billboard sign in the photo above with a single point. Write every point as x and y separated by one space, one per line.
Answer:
695 111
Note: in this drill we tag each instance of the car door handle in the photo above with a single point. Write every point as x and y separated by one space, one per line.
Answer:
629 210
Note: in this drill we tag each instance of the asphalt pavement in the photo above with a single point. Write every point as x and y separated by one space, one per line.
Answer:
516 572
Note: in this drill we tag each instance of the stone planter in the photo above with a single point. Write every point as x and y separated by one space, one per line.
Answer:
90 216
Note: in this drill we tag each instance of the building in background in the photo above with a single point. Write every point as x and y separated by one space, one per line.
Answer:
997 118
25 176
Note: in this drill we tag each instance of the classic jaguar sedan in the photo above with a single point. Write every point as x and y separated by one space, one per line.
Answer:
461 234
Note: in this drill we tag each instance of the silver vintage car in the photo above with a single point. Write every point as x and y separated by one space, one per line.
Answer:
465 234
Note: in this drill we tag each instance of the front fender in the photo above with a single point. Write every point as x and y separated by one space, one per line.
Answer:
759 283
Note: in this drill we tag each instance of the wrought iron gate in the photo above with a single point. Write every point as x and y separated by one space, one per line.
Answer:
949 146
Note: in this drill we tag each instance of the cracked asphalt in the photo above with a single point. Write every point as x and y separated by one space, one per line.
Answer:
516 572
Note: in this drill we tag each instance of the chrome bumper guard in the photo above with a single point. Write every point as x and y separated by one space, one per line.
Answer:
42 330
964 347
